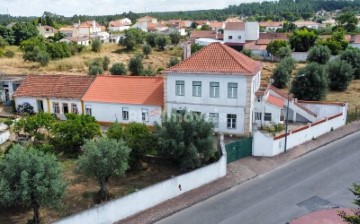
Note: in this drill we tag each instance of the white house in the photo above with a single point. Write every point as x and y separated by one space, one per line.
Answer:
237 33
125 99
85 40
147 19
218 82
119 25
46 31
57 94
8 86
270 26
307 24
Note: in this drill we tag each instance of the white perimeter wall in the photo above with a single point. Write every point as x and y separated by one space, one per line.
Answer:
266 145
121 208
109 112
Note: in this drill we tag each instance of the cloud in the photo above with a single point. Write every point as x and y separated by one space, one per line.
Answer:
106 7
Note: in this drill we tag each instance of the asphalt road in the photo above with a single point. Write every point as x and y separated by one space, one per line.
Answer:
320 179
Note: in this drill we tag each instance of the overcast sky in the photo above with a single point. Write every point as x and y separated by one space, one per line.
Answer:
106 7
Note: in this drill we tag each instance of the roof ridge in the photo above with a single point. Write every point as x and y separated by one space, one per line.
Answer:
227 48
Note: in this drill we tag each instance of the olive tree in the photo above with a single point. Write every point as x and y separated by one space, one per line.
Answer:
340 74
30 178
102 159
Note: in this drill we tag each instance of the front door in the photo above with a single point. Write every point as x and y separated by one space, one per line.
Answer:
40 105
65 108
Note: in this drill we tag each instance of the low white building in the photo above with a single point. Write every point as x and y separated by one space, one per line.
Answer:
8 86
56 94
125 99
119 25
47 31
218 82
238 33
307 24
271 26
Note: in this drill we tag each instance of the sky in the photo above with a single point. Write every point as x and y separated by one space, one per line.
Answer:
107 7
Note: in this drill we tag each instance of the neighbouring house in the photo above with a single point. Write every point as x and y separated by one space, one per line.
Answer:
307 24
87 28
115 38
270 26
258 47
119 25
151 27
205 34
218 82
85 40
217 25
201 23
67 31
355 41
8 86
307 120
103 36
47 31
238 33
147 19
125 99
56 94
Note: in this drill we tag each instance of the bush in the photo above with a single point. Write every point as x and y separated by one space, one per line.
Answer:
151 39
161 42
136 66
282 73
311 83
25 109
149 71
319 54
43 58
175 37
173 61
283 52
340 74
147 50
96 45
352 56
274 46
247 52
118 69
95 70
9 54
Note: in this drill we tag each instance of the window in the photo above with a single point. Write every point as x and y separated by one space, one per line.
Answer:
180 88
145 115
88 110
125 113
65 107
56 108
258 116
196 88
214 118
40 105
231 121
232 90
239 37
74 108
214 89
230 37
267 117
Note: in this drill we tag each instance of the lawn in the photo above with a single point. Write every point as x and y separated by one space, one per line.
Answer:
76 65
80 190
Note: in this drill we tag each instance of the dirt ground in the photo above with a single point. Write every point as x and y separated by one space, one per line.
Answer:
81 189
76 65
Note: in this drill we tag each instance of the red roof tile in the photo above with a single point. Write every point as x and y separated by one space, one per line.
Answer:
270 24
140 90
275 101
203 34
218 58
235 26
54 86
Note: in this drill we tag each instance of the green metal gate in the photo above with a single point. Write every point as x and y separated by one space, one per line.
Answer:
239 149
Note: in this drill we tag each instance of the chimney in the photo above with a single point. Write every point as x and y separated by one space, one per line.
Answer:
94 27
187 50
216 34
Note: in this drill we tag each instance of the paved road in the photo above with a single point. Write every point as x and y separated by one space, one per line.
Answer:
317 180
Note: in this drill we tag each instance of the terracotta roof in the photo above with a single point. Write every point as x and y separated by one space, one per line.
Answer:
216 25
218 58
145 19
270 24
254 46
139 90
233 19
54 86
275 101
203 34
305 23
118 23
235 26
274 36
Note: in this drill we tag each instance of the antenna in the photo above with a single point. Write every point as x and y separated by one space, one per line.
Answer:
7 10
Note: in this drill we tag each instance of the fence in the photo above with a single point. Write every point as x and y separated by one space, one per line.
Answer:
121 208
239 149
265 145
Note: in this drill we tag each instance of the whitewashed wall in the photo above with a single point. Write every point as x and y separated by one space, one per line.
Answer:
62 102
235 34
4 136
109 112
31 101
121 208
252 30
325 110
266 145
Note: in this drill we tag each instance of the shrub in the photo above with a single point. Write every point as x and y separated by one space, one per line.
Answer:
147 50
9 54
105 63
43 58
282 73
95 70
247 52
283 52
340 74
96 45
352 56
173 61
151 39
319 54
175 37
136 66
25 109
118 69
311 83
161 42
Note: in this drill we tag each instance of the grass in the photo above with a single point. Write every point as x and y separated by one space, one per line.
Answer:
76 65
81 189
